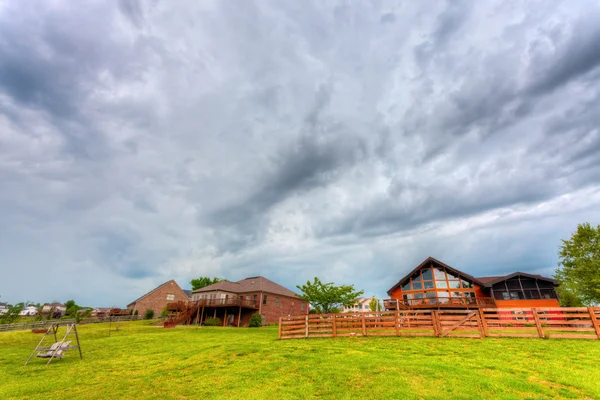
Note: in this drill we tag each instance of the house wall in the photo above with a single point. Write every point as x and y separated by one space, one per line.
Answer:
527 303
272 311
157 300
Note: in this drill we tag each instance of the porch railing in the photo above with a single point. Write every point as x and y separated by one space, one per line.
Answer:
440 301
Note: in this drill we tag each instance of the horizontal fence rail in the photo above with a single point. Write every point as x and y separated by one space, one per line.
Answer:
47 323
559 322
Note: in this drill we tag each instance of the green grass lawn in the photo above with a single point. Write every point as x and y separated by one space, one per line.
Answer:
143 361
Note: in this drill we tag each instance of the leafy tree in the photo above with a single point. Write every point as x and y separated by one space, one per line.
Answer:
568 298
375 305
324 297
579 265
12 315
255 321
203 281
70 303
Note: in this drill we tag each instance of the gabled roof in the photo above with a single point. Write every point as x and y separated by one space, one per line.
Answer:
491 280
187 292
253 284
439 263
154 290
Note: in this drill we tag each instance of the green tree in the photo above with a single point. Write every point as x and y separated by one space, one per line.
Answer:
324 297
579 265
375 305
203 281
12 315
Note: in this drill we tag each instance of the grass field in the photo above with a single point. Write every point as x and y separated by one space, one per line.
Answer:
143 361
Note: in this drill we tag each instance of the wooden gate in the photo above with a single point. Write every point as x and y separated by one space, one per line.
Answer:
457 324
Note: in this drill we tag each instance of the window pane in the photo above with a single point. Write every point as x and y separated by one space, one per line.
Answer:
428 285
454 284
406 286
419 295
417 286
506 295
467 285
441 284
469 294
430 295
457 294
443 297
451 277
439 274
416 277
427 275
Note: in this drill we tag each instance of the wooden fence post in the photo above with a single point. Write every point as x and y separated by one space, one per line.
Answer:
364 326
280 323
537 322
334 326
397 322
483 323
479 325
592 312
434 323
306 334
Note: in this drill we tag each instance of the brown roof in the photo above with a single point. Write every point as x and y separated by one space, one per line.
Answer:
153 290
253 284
441 264
486 279
490 280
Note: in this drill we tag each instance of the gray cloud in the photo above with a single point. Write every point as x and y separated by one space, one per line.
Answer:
141 141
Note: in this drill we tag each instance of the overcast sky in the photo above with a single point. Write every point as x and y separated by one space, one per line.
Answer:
145 141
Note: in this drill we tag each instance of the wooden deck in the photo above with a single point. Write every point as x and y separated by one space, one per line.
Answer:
440 303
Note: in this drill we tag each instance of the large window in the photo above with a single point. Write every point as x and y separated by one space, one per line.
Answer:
523 288
436 285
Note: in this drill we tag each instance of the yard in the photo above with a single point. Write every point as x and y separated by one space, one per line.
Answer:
144 361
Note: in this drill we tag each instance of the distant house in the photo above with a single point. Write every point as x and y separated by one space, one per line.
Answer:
235 302
157 298
3 308
54 309
100 312
433 284
361 304
29 311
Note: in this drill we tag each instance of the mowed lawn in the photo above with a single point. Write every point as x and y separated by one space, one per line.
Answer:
144 361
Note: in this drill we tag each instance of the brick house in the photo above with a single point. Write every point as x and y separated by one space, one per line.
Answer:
234 303
157 298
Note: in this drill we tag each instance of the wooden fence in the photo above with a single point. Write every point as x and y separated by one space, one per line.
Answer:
573 322
46 323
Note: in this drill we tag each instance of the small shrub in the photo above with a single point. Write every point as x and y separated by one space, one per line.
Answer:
212 322
149 314
164 313
255 321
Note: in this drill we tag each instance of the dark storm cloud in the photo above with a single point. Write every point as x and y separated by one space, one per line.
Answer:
574 57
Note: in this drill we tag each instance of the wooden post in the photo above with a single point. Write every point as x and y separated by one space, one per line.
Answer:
225 318
434 323
306 333
280 320
483 323
334 325
240 317
479 325
364 326
202 315
592 312
396 322
537 322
